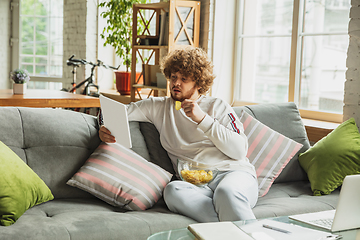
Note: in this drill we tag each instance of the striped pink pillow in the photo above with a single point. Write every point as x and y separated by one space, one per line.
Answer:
269 151
121 177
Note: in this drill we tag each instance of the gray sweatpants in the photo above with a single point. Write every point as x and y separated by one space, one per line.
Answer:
229 197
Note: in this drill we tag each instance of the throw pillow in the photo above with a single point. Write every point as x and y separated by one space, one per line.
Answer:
332 158
20 187
121 177
269 151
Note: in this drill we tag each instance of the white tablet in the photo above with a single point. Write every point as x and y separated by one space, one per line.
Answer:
116 120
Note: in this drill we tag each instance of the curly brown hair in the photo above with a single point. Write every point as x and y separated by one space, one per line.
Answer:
190 62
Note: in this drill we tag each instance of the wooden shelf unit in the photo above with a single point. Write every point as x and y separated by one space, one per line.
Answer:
182 25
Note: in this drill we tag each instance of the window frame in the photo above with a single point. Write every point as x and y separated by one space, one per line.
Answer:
15 46
295 60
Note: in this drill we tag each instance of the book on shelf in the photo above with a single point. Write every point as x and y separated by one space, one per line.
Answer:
149 74
145 74
164 29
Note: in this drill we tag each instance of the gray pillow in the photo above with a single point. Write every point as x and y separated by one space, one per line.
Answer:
158 154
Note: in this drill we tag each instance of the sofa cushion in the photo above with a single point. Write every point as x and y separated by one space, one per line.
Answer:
50 139
284 199
121 177
285 119
20 187
11 131
158 154
92 219
137 140
269 151
332 158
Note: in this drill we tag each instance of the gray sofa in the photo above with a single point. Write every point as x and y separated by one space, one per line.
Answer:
55 143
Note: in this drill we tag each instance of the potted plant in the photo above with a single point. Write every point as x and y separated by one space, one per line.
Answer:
118 34
20 78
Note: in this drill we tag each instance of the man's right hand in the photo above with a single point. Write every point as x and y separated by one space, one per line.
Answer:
105 135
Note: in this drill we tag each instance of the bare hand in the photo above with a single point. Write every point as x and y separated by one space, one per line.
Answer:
105 135
192 110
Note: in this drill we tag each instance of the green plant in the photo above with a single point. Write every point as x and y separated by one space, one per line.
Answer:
20 76
118 32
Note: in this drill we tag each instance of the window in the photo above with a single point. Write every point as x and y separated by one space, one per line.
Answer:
41 42
293 50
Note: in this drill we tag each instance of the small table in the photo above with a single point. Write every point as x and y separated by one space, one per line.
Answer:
47 99
184 234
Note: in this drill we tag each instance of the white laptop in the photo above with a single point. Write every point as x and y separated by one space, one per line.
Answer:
116 120
347 213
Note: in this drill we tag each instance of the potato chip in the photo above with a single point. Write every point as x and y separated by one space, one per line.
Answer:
177 105
197 176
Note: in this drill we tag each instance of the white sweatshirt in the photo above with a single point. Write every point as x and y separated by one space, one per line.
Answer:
218 139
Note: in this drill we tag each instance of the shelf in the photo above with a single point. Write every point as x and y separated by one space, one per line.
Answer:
149 47
175 24
155 6
125 99
146 86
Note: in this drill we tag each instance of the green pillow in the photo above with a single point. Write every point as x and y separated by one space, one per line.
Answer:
20 187
332 158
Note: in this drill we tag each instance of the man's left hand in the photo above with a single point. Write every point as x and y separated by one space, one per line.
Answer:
192 110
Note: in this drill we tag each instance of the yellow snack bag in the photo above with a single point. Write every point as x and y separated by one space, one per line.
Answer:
177 105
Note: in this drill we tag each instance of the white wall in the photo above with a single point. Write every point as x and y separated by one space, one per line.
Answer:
105 54
224 49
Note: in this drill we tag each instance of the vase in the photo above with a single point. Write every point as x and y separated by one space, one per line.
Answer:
123 82
19 88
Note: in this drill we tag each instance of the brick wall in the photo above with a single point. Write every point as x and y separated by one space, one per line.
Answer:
206 26
79 35
352 85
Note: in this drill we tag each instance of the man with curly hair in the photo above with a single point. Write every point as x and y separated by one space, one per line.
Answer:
204 130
